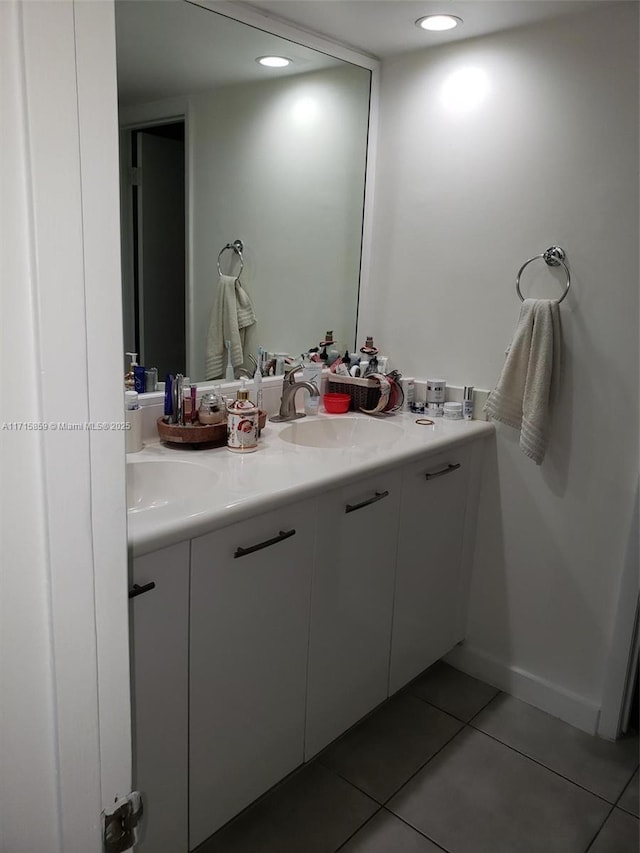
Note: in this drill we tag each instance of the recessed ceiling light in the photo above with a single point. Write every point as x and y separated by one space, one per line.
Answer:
274 61
437 23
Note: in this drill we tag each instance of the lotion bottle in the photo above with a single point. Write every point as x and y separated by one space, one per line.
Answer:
133 420
312 372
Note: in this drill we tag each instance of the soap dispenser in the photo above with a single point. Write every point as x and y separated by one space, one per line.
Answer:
242 423
130 376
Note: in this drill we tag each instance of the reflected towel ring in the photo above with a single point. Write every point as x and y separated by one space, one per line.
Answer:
237 246
553 257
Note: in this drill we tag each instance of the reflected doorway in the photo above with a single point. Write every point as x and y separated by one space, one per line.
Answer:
154 291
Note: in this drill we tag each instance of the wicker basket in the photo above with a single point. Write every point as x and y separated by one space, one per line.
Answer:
364 393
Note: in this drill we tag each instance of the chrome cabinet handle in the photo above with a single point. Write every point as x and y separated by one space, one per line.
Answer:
377 497
450 467
284 534
138 590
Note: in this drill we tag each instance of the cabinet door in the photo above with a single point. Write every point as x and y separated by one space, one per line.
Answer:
159 666
429 568
248 661
351 606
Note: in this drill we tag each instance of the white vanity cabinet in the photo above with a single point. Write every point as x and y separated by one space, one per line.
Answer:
159 668
250 593
351 606
437 520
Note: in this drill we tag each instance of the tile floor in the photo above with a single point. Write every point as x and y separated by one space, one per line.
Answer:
450 764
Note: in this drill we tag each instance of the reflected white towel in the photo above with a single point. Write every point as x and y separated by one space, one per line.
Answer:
231 315
522 396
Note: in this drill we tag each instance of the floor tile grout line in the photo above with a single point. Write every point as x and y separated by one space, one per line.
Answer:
353 784
450 713
415 828
540 764
362 826
408 779
422 766
601 827
484 707
622 793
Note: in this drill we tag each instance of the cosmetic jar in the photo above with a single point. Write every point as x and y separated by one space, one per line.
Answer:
452 411
436 390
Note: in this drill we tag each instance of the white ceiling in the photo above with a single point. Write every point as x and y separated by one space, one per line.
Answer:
384 28
166 49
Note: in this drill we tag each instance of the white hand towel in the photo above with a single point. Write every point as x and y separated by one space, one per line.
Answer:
231 315
521 398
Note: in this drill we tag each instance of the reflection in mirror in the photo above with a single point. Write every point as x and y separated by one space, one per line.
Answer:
217 148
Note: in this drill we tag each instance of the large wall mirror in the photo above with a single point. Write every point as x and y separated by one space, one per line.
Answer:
217 148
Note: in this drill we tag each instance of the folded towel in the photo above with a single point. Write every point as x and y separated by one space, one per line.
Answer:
232 313
521 398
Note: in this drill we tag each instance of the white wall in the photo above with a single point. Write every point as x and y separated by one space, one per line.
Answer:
463 198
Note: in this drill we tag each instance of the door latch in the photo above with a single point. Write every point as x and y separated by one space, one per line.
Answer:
120 824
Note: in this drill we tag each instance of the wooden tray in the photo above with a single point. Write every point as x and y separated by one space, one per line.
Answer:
210 434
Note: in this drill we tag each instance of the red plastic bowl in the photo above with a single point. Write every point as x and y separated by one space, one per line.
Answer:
336 404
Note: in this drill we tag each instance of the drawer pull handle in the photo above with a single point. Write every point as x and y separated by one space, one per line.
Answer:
284 534
138 590
450 467
377 497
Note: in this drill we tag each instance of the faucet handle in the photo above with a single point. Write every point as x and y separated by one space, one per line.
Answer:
290 373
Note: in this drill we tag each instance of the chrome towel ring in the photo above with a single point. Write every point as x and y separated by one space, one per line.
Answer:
553 257
237 247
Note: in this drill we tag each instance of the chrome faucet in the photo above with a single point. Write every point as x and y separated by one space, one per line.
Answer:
288 402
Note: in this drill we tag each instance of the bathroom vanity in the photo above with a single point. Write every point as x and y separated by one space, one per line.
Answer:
296 588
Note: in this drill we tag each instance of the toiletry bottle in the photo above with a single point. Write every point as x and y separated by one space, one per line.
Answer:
242 424
186 402
330 347
130 377
133 420
168 397
230 373
467 402
408 389
312 372
139 375
257 379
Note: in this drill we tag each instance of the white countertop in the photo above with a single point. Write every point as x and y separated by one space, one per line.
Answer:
280 472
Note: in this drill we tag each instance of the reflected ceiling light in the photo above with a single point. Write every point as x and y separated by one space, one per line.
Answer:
438 23
274 61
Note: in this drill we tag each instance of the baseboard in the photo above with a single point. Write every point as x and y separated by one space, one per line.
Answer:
542 694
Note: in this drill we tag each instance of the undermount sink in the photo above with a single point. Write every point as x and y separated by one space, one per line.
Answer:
341 433
153 484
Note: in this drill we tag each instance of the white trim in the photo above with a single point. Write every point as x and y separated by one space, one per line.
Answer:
99 173
57 243
555 700
623 652
369 196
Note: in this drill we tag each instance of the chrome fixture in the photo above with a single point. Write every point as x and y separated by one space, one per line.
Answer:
288 402
555 256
